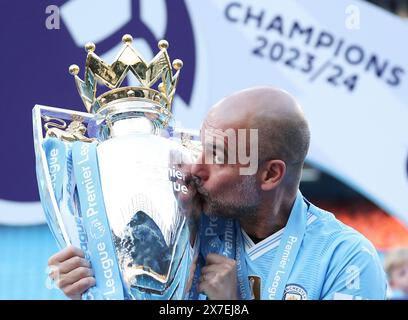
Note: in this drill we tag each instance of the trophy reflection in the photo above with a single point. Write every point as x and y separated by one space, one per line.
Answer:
115 181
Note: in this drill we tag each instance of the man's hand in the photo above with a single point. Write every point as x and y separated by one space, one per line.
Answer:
219 278
71 272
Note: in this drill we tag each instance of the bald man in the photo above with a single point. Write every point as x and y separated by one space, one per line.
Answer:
259 238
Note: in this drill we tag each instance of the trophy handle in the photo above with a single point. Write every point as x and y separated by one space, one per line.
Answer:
54 216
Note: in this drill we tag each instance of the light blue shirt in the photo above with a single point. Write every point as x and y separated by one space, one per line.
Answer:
334 261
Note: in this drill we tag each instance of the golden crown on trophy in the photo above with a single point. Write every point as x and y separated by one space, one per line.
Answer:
128 59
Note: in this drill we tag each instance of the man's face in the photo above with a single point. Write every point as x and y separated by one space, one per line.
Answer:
399 278
222 189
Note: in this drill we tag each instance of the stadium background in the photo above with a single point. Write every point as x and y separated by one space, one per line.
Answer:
24 250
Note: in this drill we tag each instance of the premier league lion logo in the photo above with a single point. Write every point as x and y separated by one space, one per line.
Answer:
35 61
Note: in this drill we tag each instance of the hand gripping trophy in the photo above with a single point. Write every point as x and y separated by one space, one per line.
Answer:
115 181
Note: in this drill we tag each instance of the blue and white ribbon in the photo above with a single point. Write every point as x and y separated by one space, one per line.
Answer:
287 252
55 154
220 236
100 245
56 160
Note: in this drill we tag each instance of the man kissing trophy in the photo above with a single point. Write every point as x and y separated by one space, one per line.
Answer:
115 181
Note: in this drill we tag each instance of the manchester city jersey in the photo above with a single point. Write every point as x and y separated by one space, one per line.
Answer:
334 262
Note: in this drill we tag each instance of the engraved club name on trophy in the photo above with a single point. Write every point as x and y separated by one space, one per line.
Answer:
115 181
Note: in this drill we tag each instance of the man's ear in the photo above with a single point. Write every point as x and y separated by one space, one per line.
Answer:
272 173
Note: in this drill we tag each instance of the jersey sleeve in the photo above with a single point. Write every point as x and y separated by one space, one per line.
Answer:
355 272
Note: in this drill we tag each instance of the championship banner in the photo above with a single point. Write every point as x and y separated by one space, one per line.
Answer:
345 62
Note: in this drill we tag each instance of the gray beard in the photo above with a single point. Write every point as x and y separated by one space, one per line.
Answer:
246 204
234 211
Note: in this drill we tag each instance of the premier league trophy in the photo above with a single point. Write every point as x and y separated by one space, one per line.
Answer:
115 181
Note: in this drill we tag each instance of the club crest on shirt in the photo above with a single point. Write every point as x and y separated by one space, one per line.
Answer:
294 292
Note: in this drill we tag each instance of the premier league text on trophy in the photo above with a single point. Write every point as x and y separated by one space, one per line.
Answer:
97 227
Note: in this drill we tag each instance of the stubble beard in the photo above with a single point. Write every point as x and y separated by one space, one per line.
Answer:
246 201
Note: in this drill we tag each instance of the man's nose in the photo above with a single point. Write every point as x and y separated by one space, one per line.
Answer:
200 170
